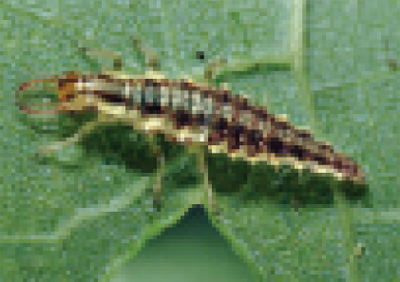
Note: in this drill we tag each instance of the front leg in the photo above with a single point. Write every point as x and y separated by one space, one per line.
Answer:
98 53
84 130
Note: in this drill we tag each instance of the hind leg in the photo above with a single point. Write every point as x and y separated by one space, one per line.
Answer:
210 73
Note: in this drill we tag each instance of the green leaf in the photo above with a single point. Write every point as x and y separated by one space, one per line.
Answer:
86 212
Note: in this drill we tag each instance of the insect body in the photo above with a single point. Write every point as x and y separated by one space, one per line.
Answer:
192 113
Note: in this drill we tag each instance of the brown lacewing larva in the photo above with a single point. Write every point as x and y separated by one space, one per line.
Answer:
190 112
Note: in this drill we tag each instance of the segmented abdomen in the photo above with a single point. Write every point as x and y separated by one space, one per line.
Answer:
227 122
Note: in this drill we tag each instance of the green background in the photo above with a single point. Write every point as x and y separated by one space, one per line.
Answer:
86 214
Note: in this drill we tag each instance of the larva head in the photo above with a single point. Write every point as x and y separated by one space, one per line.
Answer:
65 87
71 94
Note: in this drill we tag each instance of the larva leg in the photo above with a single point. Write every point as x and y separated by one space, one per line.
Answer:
198 150
207 185
97 53
153 69
85 129
157 185
210 72
158 182
212 68
151 58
